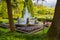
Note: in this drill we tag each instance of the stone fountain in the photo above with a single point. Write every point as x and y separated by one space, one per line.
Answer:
25 16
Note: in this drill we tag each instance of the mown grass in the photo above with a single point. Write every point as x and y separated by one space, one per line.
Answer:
6 20
5 34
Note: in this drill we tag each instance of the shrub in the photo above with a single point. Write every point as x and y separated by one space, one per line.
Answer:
15 18
1 22
42 19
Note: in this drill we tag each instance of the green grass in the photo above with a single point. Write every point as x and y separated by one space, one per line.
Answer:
6 20
5 34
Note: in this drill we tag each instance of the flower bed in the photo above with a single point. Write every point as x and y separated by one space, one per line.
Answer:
28 29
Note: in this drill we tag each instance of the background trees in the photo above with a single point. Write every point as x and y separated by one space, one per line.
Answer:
29 5
18 8
3 9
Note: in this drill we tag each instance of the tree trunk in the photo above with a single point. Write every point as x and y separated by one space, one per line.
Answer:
10 15
54 31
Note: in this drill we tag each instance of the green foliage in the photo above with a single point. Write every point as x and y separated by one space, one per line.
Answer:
0 9
43 10
42 19
1 22
18 8
29 5
4 10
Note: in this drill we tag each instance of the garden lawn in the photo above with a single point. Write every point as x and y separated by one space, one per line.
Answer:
5 34
6 20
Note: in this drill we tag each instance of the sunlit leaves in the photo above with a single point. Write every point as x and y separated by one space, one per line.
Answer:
4 9
29 5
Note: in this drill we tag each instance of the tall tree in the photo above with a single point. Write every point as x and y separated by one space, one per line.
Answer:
54 31
9 9
29 5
